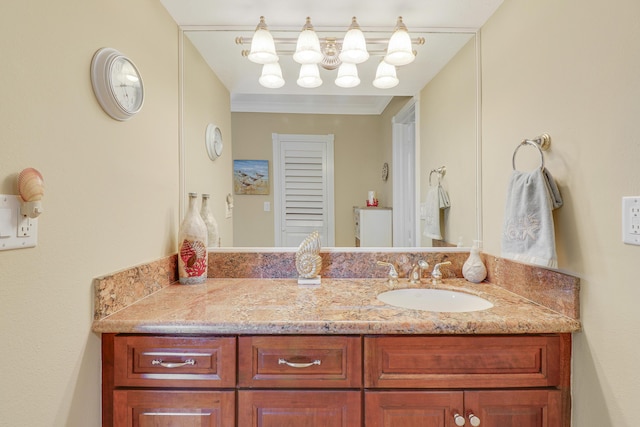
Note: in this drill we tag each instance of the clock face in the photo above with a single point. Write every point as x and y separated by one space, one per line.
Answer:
126 84
116 83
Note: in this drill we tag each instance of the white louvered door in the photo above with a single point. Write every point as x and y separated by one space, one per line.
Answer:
303 188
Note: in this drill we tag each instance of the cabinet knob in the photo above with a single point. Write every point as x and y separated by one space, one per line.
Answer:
475 421
458 419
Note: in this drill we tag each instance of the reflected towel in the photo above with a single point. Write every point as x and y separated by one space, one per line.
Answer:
528 234
443 197
432 214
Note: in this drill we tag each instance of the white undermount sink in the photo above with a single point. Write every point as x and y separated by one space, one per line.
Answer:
434 300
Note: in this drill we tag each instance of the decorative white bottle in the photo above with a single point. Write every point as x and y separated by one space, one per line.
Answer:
473 268
192 246
210 222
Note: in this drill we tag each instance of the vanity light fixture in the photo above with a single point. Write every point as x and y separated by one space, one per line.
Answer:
330 53
263 48
271 76
399 50
386 77
309 76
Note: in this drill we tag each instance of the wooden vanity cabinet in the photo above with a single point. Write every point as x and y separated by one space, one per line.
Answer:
500 381
168 381
345 381
283 381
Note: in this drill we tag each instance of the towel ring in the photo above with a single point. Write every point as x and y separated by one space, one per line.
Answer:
528 142
441 171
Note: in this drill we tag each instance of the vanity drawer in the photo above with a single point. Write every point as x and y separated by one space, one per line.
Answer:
463 362
158 361
299 361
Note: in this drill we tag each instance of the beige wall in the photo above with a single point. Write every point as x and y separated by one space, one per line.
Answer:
111 191
206 100
359 151
570 68
448 106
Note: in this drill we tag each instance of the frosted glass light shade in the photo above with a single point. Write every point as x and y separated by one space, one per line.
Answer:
354 45
308 46
347 75
271 76
385 76
399 50
263 48
309 76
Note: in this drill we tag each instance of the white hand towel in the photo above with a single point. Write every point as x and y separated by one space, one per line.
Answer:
432 214
528 234
444 197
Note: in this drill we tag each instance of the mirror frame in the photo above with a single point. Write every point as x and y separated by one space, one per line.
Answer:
478 192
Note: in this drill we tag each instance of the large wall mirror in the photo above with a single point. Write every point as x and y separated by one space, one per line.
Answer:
444 114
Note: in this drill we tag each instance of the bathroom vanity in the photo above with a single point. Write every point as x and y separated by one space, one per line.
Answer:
267 352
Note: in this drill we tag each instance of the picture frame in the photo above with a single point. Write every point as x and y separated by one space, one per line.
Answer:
251 177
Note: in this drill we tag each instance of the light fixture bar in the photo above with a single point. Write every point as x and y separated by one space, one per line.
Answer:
246 52
285 40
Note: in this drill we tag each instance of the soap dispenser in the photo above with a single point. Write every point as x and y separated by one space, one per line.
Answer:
473 268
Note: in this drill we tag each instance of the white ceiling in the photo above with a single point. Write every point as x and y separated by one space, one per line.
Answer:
213 25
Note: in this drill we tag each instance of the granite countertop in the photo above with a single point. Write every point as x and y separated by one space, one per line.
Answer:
337 306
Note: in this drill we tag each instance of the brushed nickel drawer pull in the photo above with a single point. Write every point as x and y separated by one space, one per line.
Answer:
173 364
299 365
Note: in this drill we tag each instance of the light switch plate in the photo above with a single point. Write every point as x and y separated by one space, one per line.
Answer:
16 230
631 220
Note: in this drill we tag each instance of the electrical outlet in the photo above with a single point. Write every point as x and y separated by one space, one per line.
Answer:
631 220
25 226
17 231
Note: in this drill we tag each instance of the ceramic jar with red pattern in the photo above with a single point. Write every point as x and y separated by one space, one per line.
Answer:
192 246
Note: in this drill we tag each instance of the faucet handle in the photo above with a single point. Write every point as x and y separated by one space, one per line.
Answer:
436 274
393 273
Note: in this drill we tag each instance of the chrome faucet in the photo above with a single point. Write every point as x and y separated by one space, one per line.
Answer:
436 274
393 273
416 271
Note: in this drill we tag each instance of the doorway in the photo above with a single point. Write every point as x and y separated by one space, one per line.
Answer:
303 188
405 188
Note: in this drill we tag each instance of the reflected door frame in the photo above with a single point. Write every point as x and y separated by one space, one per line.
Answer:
406 187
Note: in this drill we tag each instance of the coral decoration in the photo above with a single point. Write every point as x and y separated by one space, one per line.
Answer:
193 254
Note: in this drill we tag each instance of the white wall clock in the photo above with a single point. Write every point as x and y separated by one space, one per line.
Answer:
117 84
213 141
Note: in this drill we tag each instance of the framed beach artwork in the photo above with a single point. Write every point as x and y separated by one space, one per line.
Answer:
251 177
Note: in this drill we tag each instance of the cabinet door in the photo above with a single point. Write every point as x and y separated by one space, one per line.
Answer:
147 408
412 409
515 408
299 408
